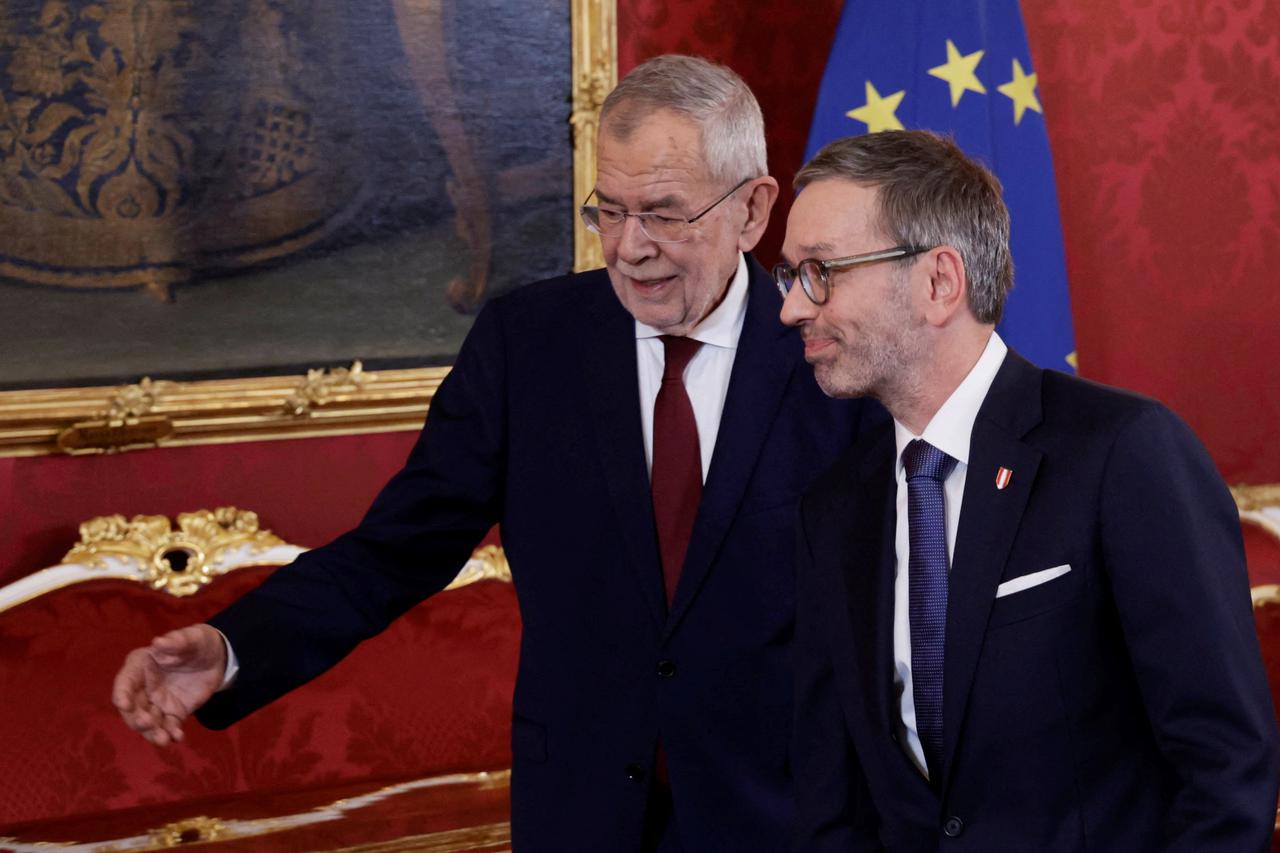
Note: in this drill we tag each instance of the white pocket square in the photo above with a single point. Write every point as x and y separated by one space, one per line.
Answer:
1033 579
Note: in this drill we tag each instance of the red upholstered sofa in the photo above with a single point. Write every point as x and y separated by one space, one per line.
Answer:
407 739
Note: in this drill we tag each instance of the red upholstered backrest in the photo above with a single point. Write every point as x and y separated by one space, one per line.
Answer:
1266 616
1262 551
431 695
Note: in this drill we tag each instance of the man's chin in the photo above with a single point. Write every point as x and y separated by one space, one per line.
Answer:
667 322
837 386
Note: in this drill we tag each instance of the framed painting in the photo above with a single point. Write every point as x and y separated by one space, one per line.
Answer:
244 219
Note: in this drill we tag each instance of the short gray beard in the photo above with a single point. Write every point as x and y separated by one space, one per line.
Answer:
891 374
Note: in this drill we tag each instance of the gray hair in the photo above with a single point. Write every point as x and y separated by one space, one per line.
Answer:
930 193
710 95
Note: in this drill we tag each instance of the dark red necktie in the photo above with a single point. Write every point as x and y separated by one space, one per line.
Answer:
676 479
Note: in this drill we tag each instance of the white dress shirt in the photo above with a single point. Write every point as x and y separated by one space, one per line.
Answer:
949 431
706 379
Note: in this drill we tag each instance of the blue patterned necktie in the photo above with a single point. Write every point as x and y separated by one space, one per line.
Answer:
927 467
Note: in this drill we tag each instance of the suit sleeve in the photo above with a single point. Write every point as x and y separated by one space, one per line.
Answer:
835 812
414 539
1174 556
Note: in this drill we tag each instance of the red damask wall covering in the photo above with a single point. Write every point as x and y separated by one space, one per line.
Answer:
1164 116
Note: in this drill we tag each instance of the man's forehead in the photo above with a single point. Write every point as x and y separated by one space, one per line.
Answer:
659 163
830 217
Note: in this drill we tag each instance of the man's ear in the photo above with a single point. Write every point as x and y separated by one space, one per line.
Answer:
761 195
948 285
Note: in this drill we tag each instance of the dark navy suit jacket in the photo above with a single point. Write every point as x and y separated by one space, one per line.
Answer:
538 427
1119 707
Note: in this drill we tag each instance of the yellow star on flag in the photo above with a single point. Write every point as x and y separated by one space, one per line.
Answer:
878 113
959 72
1022 91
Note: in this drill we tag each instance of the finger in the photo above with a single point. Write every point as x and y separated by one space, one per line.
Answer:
173 726
143 718
188 645
172 643
130 679
157 737
130 695
122 697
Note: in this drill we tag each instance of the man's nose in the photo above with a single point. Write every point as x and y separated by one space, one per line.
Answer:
796 307
634 245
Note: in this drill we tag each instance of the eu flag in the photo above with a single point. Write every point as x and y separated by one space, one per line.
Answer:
962 68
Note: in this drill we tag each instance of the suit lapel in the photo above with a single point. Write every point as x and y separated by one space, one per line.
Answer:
762 367
866 523
989 520
609 362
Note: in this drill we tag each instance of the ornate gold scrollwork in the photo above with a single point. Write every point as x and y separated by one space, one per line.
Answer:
320 386
127 421
1259 505
1267 593
75 420
486 564
178 561
191 831
595 73
134 401
1256 498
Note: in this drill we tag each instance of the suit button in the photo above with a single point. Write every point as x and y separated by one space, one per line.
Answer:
952 827
635 773
666 669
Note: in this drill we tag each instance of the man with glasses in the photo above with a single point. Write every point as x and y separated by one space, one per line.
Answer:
642 434
1024 618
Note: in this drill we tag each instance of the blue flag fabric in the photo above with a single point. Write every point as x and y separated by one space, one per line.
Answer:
962 68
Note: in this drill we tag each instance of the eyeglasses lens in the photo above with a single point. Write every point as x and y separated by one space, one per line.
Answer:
813 277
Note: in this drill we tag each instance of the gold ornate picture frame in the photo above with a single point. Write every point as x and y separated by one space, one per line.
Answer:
326 400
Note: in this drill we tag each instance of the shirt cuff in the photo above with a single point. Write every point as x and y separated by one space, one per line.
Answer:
233 665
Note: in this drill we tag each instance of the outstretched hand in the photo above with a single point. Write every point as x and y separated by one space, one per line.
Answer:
161 685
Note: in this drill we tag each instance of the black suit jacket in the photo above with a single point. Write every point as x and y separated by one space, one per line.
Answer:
538 427
1121 706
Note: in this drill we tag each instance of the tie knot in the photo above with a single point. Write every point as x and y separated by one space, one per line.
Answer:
678 353
922 459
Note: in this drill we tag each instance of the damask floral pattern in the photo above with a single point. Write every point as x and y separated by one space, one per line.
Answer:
1164 127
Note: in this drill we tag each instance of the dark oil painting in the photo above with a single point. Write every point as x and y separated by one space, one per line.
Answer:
208 188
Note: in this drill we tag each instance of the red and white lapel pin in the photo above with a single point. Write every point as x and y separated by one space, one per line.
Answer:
1003 476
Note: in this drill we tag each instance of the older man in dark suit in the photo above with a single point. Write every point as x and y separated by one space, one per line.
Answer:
642 436
1024 619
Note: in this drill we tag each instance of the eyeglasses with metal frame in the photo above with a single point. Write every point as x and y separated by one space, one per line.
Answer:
815 275
658 227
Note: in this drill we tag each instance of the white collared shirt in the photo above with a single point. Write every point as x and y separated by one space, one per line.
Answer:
950 430
706 379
